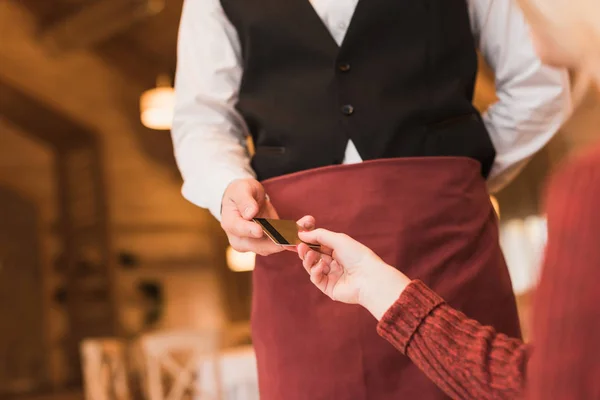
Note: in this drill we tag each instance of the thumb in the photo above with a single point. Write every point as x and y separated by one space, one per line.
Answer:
306 223
324 237
246 197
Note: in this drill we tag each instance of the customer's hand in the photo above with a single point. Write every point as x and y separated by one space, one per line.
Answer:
243 200
347 271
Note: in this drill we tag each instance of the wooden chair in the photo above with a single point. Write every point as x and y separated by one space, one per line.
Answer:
104 369
173 365
239 375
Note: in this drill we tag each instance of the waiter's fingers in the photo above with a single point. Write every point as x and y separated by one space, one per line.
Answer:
247 195
263 247
234 225
267 210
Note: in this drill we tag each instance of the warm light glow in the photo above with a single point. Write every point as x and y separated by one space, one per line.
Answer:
523 243
240 262
156 107
495 205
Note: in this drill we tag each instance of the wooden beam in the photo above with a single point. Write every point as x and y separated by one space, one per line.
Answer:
41 120
138 66
98 22
48 12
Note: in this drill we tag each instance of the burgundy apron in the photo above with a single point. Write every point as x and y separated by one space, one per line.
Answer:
429 217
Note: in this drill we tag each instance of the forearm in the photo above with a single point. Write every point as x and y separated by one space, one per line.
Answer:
533 99
208 132
465 359
530 110
209 160
381 289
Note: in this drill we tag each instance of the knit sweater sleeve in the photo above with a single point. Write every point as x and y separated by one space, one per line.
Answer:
464 358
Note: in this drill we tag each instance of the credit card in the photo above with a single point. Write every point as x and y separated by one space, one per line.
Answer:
283 232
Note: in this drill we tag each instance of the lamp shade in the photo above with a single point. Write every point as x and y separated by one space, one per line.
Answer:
240 262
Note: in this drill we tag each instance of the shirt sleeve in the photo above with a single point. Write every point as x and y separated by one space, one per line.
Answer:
208 133
533 99
462 357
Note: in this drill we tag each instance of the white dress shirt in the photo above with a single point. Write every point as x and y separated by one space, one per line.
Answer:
209 134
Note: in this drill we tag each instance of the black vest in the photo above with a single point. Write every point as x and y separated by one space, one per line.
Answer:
400 85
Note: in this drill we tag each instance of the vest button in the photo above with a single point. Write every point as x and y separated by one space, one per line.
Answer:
347 109
344 67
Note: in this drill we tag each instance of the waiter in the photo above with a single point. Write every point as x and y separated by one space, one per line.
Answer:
361 115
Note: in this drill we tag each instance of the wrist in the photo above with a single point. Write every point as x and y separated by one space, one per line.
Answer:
381 289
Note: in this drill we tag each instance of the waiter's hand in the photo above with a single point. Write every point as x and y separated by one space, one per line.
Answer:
243 200
347 271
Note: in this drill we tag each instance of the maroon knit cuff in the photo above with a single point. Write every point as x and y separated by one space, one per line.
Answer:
404 317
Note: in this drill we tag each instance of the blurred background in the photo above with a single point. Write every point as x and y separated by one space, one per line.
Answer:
112 286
